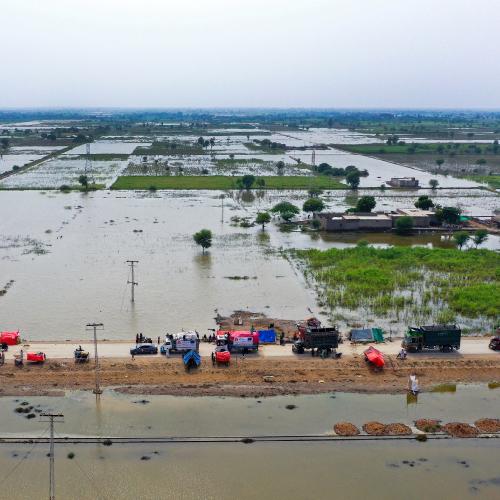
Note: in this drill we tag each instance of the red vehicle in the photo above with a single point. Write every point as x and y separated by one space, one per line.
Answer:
239 340
36 357
221 356
10 338
375 357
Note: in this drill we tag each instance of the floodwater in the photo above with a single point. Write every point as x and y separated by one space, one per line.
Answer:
67 256
376 469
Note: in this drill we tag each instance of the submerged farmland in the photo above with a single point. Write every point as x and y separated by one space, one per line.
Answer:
414 285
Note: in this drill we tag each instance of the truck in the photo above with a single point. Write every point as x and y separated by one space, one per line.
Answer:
181 342
239 340
321 340
442 337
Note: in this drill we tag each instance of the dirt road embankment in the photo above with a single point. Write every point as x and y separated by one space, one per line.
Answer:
247 377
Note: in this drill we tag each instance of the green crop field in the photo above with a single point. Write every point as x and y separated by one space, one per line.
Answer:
223 182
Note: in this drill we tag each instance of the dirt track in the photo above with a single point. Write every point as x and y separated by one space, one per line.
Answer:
245 377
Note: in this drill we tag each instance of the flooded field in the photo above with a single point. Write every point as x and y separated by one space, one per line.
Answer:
76 245
468 468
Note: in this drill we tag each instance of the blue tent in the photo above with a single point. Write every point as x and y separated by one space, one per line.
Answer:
267 336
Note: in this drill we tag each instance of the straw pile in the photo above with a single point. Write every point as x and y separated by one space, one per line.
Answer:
428 425
374 428
459 429
345 429
397 429
488 424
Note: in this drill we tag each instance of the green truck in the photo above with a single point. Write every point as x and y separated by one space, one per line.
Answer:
442 337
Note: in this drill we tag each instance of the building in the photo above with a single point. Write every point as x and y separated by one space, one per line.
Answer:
376 221
403 182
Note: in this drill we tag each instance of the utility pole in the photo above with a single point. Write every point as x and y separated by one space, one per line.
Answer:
95 327
52 418
313 158
222 206
134 283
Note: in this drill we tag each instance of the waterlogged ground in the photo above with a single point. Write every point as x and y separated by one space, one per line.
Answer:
66 256
381 469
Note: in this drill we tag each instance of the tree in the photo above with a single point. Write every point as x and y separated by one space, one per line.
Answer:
84 181
263 218
247 181
424 202
480 237
313 205
439 162
280 166
365 204
404 225
433 183
201 141
203 238
451 215
5 142
286 210
460 238
212 142
352 178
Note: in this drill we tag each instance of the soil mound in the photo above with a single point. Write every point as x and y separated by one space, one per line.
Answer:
488 424
397 429
345 429
428 425
374 428
459 429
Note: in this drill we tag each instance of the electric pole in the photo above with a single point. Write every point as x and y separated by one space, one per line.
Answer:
134 283
313 158
52 418
222 206
95 327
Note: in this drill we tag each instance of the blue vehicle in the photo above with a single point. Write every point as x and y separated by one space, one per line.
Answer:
144 349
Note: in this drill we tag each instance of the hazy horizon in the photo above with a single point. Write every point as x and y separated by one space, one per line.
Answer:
226 54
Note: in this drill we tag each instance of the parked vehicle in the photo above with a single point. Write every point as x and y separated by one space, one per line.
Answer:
221 355
36 357
144 349
81 356
239 340
495 343
442 337
181 342
10 338
320 340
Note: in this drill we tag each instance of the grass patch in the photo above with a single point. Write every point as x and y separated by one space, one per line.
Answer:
261 148
170 148
221 182
492 180
105 156
438 148
404 278
228 162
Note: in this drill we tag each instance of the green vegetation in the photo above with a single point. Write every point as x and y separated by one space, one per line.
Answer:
286 210
263 218
438 148
450 215
203 238
492 180
461 238
313 205
480 237
266 146
404 225
170 148
424 202
232 163
105 156
352 178
416 279
223 182
364 204
433 183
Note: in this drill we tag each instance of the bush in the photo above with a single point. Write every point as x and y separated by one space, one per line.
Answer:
404 225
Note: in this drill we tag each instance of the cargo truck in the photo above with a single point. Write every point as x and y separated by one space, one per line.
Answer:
320 340
442 337
181 342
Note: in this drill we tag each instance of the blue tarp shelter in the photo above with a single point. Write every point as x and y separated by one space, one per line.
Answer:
267 336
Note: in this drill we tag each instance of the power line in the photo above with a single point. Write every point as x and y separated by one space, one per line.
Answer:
52 480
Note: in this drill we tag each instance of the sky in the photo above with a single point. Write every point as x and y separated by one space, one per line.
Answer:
258 53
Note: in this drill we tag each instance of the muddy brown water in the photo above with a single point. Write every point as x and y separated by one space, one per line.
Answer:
83 275
381 469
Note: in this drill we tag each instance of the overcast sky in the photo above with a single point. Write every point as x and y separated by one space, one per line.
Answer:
265 53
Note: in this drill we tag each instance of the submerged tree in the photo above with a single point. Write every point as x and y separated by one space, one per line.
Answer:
286 210
424 202
313 205
365 204
263 218
433 183
404 225
246 182
203 238
84 182
352 178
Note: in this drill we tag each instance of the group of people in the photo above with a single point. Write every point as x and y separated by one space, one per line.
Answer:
141 339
